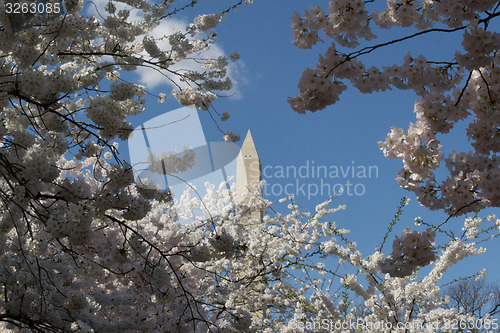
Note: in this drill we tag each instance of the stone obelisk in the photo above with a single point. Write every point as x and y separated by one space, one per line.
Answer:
248 174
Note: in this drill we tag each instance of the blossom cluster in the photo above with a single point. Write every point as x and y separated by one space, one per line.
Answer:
412 250
206 22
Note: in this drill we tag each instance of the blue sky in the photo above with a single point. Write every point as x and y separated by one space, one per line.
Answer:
342 135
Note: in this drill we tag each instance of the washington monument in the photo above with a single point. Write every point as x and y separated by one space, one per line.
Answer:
248 174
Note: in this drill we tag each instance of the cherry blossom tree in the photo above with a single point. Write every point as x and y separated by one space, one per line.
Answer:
83 247
447 90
